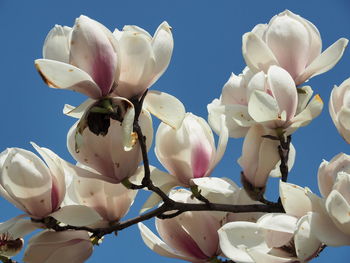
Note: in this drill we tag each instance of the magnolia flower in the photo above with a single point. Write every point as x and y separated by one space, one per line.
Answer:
84 58
54 247
339 108
269 99
110 201
31 185
191 236
294 44
331 224
107 154
275 238
273 101
189 152
143 58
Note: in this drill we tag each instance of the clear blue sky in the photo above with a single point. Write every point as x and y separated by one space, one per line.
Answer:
207 49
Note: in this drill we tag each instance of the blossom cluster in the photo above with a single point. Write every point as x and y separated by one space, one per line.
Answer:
75 205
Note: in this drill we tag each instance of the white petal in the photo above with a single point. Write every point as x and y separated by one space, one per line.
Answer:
128 126
284 90
237 118
77 215
260 257
77 112
237 237
60 75
324 229
256 53
325 61
262 107
304 96
215 185
312 110
162 44
295 199
306 244
339 210
56 45
18 227
165 107
291 159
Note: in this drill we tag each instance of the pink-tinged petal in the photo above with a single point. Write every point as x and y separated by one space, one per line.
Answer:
54 247
289 40
325 61
92 50
256 53
237 237
284 90
76 215
77 112
166 107
27 180
162 45
60 75
176 237
56 45
158 246
322 226
306 244
58 175
200 159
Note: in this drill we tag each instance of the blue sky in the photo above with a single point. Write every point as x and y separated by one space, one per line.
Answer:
207 37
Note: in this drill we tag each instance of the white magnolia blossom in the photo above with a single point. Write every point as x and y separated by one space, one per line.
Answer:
84 58
294 44
143 58
269 99
274 101
107 155
189 152
339 108
110 201
276 238
191 236
32 185
54 247
332 223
